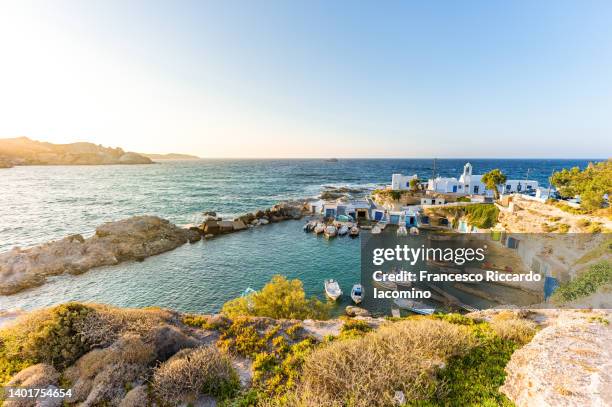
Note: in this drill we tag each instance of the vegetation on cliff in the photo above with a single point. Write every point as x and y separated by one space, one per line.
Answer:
280 298
483 216
591 184
585 284
112 356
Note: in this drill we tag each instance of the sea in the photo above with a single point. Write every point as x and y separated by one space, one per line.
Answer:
42 203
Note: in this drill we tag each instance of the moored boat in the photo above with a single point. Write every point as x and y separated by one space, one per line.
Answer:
414 230
309 226
402 231
319 228
357 293
414 306
332 289
376 230
354 232
330 231
386 285
343 230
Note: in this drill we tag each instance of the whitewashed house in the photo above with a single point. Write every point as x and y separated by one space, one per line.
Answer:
402 182
471 184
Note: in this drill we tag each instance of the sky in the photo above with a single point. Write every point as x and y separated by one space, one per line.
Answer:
263 78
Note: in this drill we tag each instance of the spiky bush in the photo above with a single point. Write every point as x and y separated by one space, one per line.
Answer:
192 372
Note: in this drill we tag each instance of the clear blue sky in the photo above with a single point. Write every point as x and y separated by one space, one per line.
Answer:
312 79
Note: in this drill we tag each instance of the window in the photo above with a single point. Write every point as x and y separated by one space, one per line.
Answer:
476 189
508 187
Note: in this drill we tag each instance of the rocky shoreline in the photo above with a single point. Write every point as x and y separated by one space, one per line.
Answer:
134 238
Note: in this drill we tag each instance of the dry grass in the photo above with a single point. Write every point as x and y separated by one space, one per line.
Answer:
40 375
194 371
518 330
107 324
368 371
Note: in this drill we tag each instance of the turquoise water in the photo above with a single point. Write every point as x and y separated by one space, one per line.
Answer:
38 204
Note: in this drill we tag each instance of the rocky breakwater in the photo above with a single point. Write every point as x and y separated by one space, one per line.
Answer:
214 225
130 239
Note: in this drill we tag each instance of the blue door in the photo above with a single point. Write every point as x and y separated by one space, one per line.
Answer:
378 215
454 188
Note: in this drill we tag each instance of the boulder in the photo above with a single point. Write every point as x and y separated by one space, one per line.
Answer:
239 225
568 363
226 226
211 227
210 213
353 311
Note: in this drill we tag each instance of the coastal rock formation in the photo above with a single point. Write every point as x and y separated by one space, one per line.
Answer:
567 363
135 238
213 225
24 151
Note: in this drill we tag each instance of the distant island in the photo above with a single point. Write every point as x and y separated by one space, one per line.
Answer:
25 151
170 156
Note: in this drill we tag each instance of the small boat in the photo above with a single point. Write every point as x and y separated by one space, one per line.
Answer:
386 285
343 230
332 289
414 230
414 306
320 228
402 231
382 224
354 232
309 226
330 231
376 230
357 293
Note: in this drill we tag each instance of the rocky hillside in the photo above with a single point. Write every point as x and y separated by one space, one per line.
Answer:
139 357
170 156
24 151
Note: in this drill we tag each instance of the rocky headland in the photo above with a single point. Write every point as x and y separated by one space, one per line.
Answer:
130 239
24 151
134 238
170 156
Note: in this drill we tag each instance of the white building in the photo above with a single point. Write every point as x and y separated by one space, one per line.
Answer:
402 182
471 184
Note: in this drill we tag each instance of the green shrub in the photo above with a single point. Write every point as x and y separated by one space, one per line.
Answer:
51 336
354 328
585 284
242 338
483 216
280 298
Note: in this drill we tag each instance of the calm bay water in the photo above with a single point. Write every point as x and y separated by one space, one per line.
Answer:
38 204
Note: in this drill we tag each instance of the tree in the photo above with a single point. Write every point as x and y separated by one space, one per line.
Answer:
414 184
280 298
591 184
492 179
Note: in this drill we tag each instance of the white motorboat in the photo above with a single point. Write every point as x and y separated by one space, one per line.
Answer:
330 231
402 231
414 306
332 289
414 230
357 293
320 228
343 230
376 230
309 226
354 232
